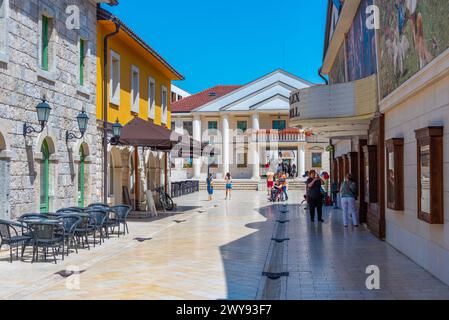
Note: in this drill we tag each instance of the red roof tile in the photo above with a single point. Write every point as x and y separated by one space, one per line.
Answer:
197 100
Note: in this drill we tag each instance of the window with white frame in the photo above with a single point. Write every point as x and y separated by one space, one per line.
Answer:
114 78
135 89
4 13
164 103
151 97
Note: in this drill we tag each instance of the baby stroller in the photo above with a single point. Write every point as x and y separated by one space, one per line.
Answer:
276 195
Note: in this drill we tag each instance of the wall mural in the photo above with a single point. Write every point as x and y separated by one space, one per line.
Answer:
361 46
337 73
412 34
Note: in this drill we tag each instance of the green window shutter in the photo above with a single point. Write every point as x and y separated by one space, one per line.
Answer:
82 57
45 177
213 125
81 178
45 40
242 125
279 124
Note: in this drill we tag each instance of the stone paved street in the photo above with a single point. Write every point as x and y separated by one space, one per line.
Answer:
218 250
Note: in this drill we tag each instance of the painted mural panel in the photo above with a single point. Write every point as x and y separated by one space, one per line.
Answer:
412 34
337 73
361 46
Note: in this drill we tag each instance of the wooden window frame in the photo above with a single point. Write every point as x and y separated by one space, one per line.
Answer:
432 137
370 156
395 146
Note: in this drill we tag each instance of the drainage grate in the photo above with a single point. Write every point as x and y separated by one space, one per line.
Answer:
280 240
282 221
275 275
142 239
68 273
179 221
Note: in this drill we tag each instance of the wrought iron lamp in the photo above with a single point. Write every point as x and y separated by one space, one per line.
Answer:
116 133
83 121
43 113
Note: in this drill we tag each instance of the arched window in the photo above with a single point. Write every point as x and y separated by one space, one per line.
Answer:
132 173
111 176
4 182
45 178
81 178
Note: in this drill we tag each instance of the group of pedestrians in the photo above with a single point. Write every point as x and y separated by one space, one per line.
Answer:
277 186
287 168
210 186
315 197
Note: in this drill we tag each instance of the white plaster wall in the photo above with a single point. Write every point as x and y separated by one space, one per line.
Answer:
426 244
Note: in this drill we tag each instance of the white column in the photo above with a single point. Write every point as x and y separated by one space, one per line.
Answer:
196 128
302 160
225 135
254 146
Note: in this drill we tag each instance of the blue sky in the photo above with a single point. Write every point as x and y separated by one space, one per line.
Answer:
230 41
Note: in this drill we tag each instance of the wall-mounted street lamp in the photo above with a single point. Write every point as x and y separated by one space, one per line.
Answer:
83 121
43 113
116 133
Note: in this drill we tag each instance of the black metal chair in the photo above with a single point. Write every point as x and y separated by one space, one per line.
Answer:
9 235
123 211
26 216
83 230
98 205
111 222
71 209
96 221
47 236
69 224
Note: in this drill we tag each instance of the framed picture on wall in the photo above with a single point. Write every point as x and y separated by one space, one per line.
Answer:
370 164
430 174
317 160
395 173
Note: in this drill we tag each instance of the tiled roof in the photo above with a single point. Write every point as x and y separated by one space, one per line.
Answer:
197 100
103 14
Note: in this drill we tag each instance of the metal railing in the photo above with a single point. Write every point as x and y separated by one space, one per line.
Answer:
182 188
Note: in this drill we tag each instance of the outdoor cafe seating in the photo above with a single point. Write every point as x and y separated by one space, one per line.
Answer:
66 230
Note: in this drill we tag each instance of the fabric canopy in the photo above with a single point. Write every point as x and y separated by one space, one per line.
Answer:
141 133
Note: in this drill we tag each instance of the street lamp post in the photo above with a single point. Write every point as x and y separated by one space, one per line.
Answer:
43 113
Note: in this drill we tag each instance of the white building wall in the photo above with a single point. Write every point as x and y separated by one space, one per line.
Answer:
426 244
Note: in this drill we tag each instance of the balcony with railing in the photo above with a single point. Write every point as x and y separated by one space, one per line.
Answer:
279 136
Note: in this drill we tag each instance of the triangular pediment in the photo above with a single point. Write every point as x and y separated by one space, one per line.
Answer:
275 84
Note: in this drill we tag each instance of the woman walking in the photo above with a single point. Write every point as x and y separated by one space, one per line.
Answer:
348 193
314 195
228 180
210 186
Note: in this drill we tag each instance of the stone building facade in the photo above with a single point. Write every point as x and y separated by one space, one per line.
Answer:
43 53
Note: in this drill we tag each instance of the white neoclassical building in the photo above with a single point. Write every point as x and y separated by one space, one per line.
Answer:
248 125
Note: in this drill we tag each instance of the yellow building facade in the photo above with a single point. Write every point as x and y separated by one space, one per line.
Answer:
133 56
138 85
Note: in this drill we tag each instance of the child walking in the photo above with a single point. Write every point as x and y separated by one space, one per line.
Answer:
228 180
